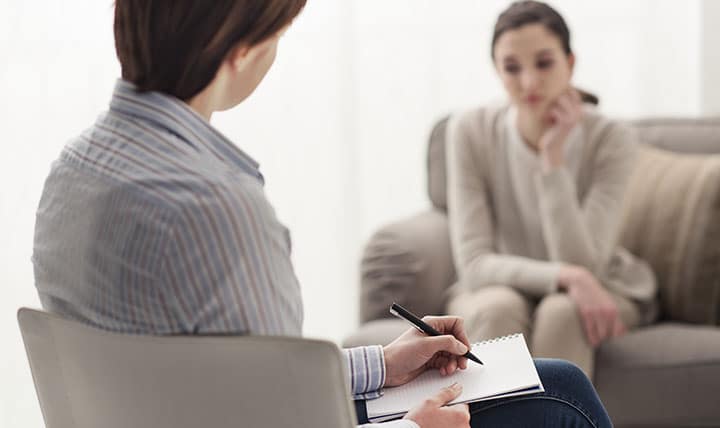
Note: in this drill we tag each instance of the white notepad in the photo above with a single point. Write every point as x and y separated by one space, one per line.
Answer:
508 370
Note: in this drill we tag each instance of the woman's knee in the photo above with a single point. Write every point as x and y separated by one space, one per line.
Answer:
569 400
564 378
567 382
557 309
491 303
492 311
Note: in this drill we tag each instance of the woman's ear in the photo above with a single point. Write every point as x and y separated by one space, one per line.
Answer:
571 62
239 57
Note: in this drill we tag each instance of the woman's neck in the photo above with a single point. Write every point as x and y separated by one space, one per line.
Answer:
530 127
202 104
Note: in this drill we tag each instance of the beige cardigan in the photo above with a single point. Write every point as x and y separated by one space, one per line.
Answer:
580 218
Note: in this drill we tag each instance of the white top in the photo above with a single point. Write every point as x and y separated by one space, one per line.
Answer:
524 166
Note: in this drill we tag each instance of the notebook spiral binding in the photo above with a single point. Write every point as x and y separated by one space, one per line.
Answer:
499 339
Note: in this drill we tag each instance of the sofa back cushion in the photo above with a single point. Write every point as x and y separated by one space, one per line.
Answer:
699 136
672 220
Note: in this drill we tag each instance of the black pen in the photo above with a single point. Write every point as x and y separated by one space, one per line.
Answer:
403 313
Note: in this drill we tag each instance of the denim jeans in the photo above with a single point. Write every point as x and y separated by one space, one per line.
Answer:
569 400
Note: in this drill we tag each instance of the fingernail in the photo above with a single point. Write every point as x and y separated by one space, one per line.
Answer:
455 386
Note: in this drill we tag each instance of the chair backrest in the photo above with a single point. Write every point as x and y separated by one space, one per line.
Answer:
86 377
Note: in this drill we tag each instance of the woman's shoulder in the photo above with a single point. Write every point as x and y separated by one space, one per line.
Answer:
480 123
600 128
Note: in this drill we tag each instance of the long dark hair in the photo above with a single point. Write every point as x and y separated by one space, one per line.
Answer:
177 46
527 12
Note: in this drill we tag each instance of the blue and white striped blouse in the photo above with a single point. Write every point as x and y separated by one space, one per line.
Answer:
152 222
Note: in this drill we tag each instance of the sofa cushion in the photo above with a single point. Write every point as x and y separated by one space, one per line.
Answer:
682 135
667 375
672 221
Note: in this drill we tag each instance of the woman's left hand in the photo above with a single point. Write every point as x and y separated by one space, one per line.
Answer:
598 311
562 116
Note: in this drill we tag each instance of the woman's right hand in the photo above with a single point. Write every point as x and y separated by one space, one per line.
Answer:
564 114
433 412
598 311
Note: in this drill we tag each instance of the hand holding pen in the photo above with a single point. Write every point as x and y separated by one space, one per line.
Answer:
413 353
423 327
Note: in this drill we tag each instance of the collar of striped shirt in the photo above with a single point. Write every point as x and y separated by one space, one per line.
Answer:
177 117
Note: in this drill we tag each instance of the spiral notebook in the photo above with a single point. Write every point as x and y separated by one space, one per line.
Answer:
508 370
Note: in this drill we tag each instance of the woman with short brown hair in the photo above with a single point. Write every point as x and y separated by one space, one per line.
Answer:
153 222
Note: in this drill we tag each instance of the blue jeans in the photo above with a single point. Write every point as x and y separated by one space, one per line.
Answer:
569 400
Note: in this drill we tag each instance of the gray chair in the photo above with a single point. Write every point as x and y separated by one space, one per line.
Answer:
663 375
90 378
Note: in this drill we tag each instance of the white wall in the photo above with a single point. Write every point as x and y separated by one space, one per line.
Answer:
710 57
339 126
57 69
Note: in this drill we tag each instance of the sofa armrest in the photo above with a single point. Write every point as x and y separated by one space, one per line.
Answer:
408 262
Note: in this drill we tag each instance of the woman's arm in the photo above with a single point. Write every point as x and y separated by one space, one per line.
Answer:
585 232
472 227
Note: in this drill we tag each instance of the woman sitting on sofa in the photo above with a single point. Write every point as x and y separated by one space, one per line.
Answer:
535 191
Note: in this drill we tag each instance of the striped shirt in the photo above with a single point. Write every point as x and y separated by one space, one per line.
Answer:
152 222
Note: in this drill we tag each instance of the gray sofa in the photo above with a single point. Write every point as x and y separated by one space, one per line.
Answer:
664 375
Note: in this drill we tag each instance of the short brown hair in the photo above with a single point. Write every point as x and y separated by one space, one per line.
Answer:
177 46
